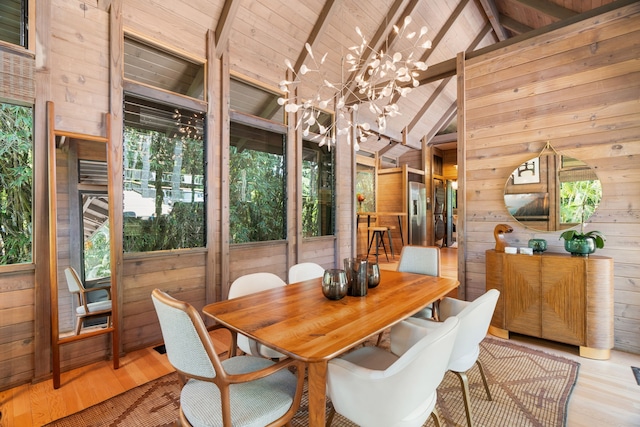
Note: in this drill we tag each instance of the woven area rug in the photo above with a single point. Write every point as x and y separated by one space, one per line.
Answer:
529 388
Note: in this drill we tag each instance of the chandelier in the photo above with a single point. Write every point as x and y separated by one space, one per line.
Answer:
377 79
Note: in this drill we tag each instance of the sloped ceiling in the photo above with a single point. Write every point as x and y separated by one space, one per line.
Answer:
260 35
279 30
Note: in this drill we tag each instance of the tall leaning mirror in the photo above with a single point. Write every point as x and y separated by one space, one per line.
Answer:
82 294
552 192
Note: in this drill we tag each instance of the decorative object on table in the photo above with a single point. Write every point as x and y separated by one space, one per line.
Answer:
334 284
526 251
510 250
498 233
581 243
360 198
538 245
373 274
356 269
374 81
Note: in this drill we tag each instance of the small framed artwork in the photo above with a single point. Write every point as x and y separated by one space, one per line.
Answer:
528 172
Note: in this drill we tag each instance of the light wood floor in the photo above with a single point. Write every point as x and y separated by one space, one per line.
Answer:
606 393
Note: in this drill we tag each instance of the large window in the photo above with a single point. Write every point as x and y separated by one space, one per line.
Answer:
318 214
164 176
13 22
16 184
256 184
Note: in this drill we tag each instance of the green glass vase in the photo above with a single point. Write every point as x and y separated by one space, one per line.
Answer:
580 247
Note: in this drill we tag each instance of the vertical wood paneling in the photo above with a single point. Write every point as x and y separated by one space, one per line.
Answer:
581 96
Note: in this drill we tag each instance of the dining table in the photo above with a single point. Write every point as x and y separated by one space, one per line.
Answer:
299 321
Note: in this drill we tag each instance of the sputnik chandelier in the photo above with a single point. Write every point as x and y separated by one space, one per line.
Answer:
375 82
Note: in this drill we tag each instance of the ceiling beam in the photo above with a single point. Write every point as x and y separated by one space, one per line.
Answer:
491 11
320 26
548 8
514 26
223 29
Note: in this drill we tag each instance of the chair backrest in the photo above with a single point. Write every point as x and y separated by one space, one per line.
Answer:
254 282
249 284
305 271
474 318
73 280
189 347
406 389
420 260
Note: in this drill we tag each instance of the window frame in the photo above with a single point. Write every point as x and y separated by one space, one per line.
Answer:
273 127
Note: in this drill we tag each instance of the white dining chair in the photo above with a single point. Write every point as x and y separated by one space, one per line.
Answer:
305 271
421 260
238 391
474 318
249 284
374 387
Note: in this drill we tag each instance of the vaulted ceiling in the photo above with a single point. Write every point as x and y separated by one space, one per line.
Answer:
260 36
278 30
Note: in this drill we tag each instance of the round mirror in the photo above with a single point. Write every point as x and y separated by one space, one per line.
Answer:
552 192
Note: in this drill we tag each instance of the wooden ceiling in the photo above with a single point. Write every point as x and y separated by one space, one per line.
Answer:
260 35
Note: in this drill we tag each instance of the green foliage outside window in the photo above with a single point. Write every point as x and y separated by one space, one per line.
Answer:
579 200
256 185
97 256
317 190
164 178
16 184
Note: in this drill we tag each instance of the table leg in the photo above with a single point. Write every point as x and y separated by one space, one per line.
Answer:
317 382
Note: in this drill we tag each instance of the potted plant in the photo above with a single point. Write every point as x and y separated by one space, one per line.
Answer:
582 244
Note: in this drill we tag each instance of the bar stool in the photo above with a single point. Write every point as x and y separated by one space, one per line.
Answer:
378 235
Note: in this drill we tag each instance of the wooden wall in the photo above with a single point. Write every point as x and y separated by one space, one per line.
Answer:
578 88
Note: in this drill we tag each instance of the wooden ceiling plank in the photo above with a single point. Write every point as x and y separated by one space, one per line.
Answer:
223 29
474 43
434 44
436 93
321 24
384 31
443 122
490 10
445 29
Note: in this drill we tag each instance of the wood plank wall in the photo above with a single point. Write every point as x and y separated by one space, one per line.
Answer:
17 333
579 89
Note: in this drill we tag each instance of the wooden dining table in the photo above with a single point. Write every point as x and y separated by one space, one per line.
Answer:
299 321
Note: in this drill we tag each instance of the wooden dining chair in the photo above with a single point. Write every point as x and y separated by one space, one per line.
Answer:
238 391
85 309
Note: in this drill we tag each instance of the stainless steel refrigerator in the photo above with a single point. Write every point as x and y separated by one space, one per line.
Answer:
417 211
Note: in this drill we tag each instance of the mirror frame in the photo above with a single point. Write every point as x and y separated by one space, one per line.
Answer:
534 189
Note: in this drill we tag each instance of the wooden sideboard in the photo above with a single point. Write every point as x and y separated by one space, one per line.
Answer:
556 297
